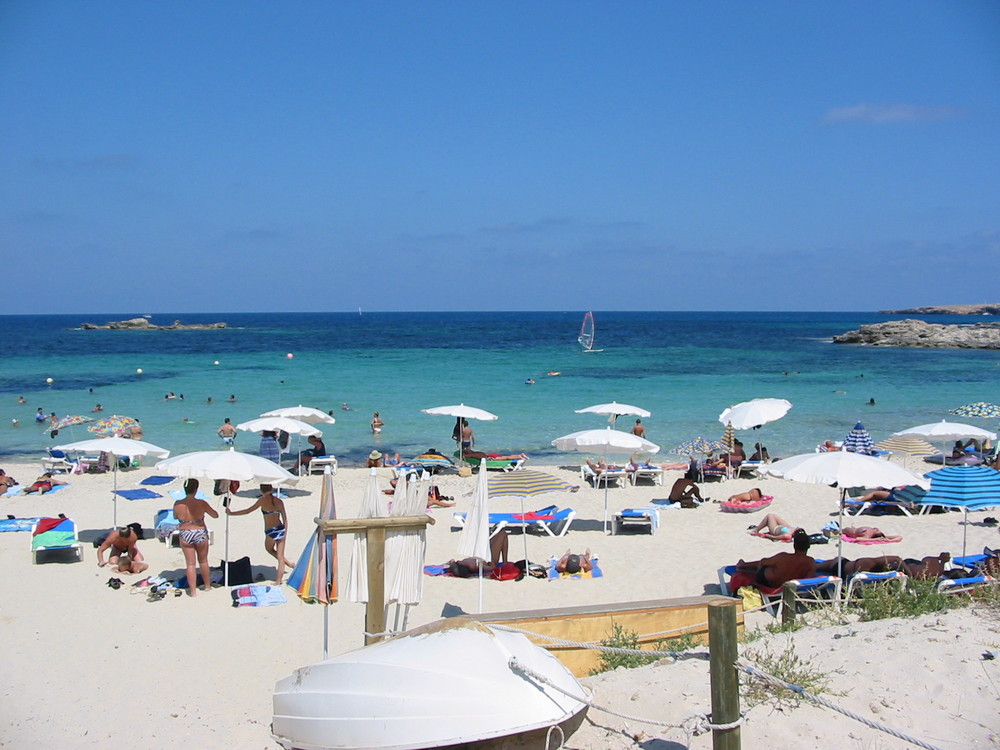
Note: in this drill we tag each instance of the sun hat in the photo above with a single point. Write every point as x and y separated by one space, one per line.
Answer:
374 455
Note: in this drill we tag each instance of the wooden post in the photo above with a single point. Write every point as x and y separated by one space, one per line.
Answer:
374 530
725 687
788 604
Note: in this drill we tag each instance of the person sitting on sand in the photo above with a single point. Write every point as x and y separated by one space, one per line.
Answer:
760 453
43 484
275 527
570 563
868 532
846 568
124 554
375 460
776 571
750 496
6 482
318 449
778 529
686 492
471 566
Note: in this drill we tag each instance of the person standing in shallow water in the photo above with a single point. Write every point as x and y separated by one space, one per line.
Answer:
377 424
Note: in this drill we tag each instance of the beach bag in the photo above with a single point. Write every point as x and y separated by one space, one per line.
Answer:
222 486
240 572
465 471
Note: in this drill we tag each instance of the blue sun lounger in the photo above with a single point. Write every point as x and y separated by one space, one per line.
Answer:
551 520
806 589
55 535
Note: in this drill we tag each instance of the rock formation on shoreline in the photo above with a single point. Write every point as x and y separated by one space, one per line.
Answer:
947 310
142 324
918 333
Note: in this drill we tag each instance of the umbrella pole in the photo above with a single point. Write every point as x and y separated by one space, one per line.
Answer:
605 505
326 632
225 564
840 536
480 586
114 492
524 533
965 532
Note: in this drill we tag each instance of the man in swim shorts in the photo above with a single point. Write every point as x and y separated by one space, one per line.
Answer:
776 571
124 551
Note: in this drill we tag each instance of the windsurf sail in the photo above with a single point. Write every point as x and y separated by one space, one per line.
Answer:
586 337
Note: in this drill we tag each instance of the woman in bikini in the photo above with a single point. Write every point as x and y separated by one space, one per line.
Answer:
750 496
190 513
275 527
773 527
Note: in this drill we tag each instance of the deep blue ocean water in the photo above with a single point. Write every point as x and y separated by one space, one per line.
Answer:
684 367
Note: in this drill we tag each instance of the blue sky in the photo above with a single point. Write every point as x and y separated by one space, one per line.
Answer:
314 156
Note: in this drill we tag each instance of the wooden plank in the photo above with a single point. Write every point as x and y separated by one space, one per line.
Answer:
375 609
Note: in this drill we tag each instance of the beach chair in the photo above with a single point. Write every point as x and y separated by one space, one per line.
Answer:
319 464
606 477
57 461
653 473
496 464
853 506
974 579
807 590
54 538
648 518
863 579
552 520
165 528
749 470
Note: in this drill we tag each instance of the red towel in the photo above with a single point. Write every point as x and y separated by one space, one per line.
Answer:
47 524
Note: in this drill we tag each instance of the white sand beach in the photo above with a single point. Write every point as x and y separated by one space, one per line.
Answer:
86 665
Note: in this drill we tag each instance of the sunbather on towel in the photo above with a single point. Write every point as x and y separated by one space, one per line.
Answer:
868 532
471 566
43 484
848 568
572 564
777 570
778 529
124 554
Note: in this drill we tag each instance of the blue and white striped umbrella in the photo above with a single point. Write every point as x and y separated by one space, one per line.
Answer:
965 487
980 409
859 440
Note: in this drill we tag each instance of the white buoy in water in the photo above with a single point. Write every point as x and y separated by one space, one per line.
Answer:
290 355
48 380
216 362
138 371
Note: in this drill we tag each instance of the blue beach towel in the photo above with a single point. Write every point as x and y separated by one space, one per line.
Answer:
140 494
259 595
18 524
13 491
157 480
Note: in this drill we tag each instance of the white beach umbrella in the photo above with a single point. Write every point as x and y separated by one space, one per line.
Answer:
754 413
462 411
229 464
606 441
302 413
614 410
372 506
116 446
944 431
845 470
283 424
475 538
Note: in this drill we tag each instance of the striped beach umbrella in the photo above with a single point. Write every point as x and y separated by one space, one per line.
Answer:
980 409
908 446
68 422
859 440
965 487
315 576
729 437
698 445
524 484
113 425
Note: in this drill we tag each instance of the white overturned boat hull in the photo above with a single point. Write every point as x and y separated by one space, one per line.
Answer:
447 683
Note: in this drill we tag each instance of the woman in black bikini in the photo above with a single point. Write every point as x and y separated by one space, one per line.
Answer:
275 527
190 514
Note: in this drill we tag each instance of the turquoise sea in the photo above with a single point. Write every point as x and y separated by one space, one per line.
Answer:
685 367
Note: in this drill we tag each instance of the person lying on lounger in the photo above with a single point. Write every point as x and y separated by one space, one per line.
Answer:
471 566
777 570
600 467
927 569
868 532
848 568
43 484
572 564
773 527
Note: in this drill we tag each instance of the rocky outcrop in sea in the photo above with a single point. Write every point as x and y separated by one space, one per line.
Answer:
918 333
993 309
142 324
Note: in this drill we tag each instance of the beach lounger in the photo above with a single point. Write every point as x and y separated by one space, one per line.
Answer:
863 579
648 518
55 537
807 590
606 477
974 579
854 507
57 461
552 520
165 528
497 464
319 464
652 473
748 469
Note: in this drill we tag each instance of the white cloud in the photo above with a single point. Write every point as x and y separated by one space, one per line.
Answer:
881 114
